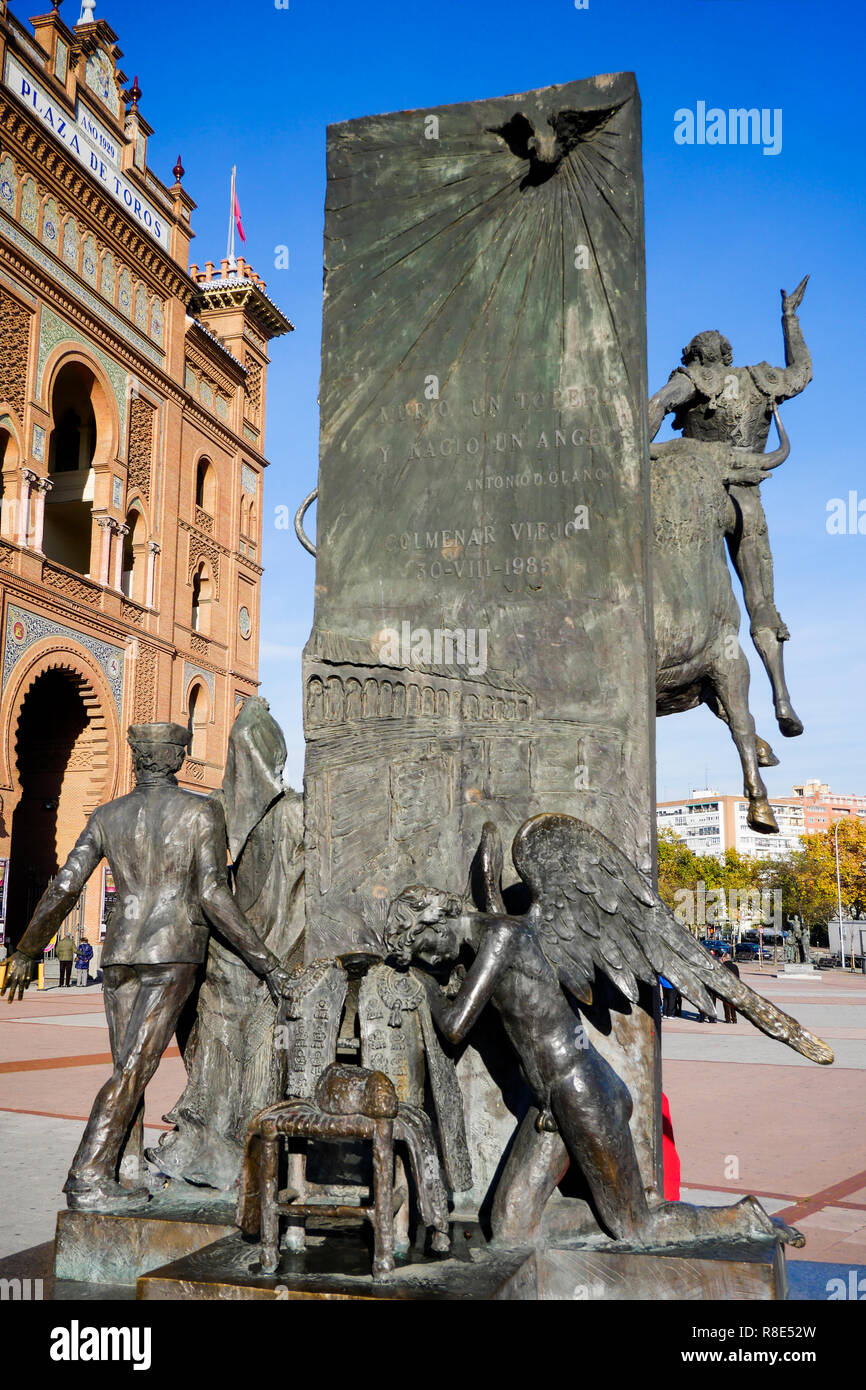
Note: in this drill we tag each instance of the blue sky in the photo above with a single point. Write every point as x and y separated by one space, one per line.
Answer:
726 227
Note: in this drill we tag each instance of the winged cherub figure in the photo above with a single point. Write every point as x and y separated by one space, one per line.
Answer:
591 914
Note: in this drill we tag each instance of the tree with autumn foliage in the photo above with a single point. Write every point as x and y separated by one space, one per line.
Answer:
818 868
806 877
679 868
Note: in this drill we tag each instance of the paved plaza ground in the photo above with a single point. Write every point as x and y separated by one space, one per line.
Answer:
749 1115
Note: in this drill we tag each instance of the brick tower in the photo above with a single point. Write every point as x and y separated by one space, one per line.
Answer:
132 412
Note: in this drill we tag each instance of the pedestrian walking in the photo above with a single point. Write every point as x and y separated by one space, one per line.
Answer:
669 997
65 951
729 964
83 957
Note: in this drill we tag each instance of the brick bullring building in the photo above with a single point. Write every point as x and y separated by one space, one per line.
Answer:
132 408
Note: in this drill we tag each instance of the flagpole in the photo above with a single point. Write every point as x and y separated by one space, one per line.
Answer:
231 244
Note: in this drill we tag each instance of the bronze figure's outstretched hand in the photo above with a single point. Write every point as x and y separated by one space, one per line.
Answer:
279 982
19 973
792 302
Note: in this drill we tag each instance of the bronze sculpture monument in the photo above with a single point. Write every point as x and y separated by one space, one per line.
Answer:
166 849
590 914
715 403
484 578
234 1068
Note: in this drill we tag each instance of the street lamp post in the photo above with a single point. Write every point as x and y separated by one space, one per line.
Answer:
839 893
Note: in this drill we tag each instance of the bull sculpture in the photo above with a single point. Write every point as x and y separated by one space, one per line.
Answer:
699 659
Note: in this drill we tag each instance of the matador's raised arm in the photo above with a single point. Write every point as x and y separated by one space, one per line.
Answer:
797 372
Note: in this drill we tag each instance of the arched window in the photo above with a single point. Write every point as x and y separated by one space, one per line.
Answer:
202 596
71 450
6 448
205 487
199 714
9 457
134 576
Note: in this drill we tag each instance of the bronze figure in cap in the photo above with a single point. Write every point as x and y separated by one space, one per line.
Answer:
167 851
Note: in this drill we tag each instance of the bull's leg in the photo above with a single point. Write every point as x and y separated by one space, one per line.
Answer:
730 678
766 756
749 548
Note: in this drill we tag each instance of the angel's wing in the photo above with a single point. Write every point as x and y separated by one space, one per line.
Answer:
591 909
485 875
573 126
517 133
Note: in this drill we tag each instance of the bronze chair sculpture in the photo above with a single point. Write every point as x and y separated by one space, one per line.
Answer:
350 1103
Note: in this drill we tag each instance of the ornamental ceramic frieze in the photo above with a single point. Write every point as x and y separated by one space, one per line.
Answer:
24 629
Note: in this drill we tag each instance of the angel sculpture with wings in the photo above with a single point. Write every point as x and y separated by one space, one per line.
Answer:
591 914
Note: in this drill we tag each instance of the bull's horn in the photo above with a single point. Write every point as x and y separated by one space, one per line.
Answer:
778 455
746 459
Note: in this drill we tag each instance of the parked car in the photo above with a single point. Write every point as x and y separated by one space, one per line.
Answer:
716 948
750 950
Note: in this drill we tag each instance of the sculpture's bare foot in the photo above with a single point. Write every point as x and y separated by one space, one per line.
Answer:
790 725
761 817
766 756
772 1225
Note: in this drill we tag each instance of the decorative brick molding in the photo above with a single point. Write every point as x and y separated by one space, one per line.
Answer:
132 612
253 404
14 342
70 584
144 699
24 629
140 456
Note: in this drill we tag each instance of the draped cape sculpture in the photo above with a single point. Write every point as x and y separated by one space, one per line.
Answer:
234 1067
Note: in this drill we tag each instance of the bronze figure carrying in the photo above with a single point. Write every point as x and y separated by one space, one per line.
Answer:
167 852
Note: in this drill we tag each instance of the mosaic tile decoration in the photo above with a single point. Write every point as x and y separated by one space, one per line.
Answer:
23 628
190 672
71 283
